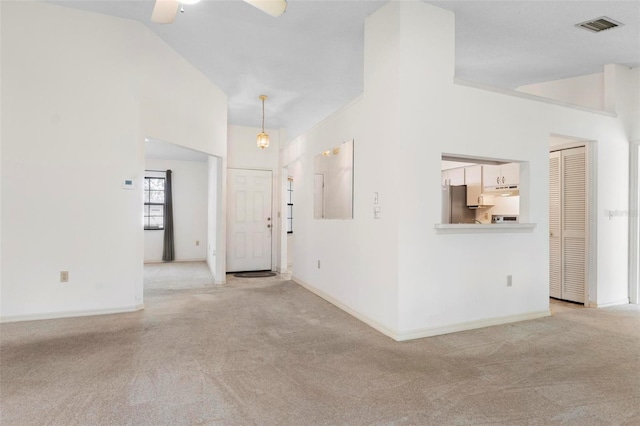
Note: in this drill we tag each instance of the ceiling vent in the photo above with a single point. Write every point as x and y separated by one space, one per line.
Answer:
599 24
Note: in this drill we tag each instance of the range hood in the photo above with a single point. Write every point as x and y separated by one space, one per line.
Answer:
503 191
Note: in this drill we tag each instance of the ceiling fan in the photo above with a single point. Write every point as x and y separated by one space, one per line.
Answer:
164 12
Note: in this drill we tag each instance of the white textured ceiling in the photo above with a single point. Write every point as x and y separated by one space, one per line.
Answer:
309 60
512 43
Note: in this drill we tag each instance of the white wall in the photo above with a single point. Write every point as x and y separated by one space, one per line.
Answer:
243 153
622 96
216 207
398 273
189 181
80 91
585 90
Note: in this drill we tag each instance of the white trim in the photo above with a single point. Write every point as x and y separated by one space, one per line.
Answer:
400 336
523 95
175 261
591 233
591 284
476 228
470 325
567 145
275 227
70 314
634 223
609 304
381 328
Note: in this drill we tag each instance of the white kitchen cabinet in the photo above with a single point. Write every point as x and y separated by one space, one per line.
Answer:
473 180
500 177
453 176
510 174
490 176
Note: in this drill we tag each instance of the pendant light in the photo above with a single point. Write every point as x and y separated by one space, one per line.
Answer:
263 138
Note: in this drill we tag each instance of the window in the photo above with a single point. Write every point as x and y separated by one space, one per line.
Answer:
290 206
153 203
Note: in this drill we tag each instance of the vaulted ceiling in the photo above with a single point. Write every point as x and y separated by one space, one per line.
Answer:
309 60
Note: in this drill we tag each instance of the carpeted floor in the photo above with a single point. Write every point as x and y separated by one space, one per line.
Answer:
266 351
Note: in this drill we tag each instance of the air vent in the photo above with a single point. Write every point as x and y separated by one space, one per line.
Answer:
599 24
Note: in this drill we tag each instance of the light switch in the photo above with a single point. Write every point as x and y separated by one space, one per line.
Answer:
376 212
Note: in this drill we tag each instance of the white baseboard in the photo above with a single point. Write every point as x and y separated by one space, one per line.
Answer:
70 314
371 323
471 325
176 260
609 304
423 332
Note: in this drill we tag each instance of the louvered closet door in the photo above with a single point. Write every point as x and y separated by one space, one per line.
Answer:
573 217
555 254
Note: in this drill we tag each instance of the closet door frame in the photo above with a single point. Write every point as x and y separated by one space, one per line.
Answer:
591 287
634 222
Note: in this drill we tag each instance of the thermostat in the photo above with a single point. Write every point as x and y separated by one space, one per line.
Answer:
128 184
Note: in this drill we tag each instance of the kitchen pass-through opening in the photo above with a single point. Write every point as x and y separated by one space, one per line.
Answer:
480 190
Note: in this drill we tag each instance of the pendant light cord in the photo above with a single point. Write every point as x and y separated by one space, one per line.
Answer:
262 115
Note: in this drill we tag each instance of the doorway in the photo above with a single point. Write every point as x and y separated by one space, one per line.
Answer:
289 222
568 224
196 225
249 221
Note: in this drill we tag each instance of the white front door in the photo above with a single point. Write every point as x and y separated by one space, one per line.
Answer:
249 221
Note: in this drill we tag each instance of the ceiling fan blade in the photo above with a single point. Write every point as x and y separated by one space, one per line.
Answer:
274 8
164 12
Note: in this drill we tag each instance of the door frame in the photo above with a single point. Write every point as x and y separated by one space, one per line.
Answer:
275 224
634 222
281 259
591 283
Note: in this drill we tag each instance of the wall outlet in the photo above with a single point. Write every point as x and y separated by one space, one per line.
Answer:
486 215
197 242
509 280
318 264
64 276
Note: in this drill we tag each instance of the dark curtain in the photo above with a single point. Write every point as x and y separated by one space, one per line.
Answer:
168 253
